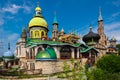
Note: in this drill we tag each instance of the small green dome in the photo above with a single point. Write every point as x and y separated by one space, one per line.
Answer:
43 55
48 54
52 53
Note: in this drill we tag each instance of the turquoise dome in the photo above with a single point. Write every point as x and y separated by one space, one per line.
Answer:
47 54
8 56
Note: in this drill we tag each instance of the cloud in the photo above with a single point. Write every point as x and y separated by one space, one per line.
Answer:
7 35
113 17
13 8
116 3
1 20
112 26
13 37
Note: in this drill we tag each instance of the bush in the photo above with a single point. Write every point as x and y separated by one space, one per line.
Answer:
109 63
98 74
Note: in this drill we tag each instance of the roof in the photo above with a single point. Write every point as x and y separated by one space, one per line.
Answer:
38 21
91 36
84 50
34 42
55 20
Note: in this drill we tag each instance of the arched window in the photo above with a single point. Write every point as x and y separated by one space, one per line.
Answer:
65 52
42 34
37 34
39 49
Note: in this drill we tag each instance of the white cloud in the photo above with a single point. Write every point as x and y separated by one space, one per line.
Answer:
112 26
13 8
113 17
116 3
13 37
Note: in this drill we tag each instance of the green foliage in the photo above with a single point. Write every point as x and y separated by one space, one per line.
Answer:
73 72
107 68
98 74
118 46
109 63
95 74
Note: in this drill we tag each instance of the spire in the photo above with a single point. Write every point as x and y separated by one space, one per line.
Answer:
8 44
90 27
24 34
62 30
23 29
100 15
55 19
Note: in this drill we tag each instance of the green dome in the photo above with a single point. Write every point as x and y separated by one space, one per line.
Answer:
48 54
52 53
43 55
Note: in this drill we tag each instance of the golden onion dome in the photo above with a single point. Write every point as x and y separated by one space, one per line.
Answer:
38 9
38 21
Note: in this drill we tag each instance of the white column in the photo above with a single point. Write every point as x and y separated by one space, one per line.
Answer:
57 50
78 56
73 56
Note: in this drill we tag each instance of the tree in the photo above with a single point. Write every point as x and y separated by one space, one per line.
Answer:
107 68
118 46
109 63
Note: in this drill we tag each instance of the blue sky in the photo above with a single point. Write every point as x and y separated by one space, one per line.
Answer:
71 15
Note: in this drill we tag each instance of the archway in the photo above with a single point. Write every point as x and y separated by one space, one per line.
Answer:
65 52
39 49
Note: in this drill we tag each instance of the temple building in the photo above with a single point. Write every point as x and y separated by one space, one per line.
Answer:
99 40
41 54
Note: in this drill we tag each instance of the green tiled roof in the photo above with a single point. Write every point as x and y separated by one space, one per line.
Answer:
83 50
33 42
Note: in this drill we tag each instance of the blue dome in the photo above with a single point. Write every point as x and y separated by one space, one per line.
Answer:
8 54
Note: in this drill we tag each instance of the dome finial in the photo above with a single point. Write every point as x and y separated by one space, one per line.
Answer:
100 15
38 7
90 27
62 30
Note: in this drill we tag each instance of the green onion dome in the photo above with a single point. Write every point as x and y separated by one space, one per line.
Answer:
47 54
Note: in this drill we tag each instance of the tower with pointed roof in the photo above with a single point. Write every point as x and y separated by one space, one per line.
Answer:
100 30
24 34
55 28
